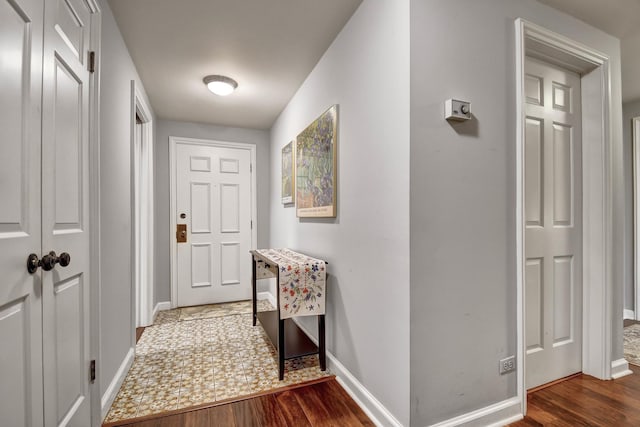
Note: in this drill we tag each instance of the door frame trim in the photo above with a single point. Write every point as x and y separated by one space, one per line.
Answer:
95 344
173 143
595 70
143 292
635 146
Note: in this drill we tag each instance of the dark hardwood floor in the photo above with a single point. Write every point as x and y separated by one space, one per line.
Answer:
321 404
139 332
586 401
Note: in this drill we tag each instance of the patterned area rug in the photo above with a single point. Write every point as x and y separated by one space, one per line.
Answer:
197 355
632 344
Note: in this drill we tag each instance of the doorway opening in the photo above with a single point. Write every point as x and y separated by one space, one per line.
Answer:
593 68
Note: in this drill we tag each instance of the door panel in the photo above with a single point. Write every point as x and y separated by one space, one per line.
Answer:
213 191
535 298
229 208
65 211
67 179
20 293
553 231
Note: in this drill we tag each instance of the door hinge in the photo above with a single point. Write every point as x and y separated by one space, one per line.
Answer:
92 371
91 65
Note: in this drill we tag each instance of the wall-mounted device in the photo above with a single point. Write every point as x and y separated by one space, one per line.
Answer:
457 110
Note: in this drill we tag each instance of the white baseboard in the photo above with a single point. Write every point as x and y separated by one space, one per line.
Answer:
371 406
268 296
620 368
161 306
629 314
498 414
112 391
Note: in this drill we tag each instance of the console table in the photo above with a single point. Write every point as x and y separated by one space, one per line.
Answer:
300 289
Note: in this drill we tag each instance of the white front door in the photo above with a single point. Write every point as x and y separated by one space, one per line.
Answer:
213 200
553 221
20 292
65 212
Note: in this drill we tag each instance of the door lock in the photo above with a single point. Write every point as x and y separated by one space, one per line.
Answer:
181 233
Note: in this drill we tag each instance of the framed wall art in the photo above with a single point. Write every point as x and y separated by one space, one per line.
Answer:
316 165
288 177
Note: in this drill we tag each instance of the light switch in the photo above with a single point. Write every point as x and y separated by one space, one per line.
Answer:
457 110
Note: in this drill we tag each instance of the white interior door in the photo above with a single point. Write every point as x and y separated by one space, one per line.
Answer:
65 212
213 199
20 292
553 221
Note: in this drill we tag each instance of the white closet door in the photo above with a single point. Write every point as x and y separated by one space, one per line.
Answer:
20 292
65 212
553 211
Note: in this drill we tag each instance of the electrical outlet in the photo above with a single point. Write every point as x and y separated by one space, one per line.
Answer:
507 365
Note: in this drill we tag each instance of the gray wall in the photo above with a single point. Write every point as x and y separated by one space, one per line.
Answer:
167 128
629 111
116 289
366 72
463 279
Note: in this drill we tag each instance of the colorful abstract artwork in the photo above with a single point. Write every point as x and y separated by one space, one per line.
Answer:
288 178
316 167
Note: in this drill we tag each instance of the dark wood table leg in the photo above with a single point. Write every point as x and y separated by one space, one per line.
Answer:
281 349
253 288
322 347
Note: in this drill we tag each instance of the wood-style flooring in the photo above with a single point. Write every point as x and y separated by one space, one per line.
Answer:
139 332
586 401
321 404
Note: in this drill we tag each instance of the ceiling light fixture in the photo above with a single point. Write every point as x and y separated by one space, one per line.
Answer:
220 85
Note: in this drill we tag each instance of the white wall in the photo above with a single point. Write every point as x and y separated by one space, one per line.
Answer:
463 278
366 72
167 128
116 289
631 69
629 111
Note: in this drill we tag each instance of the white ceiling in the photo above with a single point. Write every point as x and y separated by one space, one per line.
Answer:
269 47
620 18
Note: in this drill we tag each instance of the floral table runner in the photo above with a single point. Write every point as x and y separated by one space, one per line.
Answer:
302 281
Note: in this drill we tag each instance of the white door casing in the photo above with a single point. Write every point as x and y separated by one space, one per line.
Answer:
65 212
142 192
635 135
553 221
213 188
20 179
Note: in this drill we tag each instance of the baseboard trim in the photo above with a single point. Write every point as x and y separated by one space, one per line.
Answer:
161 306
268 297
620 368
371 406
629 314
112 391
498 414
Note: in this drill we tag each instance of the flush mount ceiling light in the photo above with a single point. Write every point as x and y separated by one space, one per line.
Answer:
220 85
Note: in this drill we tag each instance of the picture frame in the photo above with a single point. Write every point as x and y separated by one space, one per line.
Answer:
316 167
288 174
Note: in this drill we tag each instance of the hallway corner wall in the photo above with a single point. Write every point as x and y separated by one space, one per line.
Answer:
463 202
117 334
366 72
